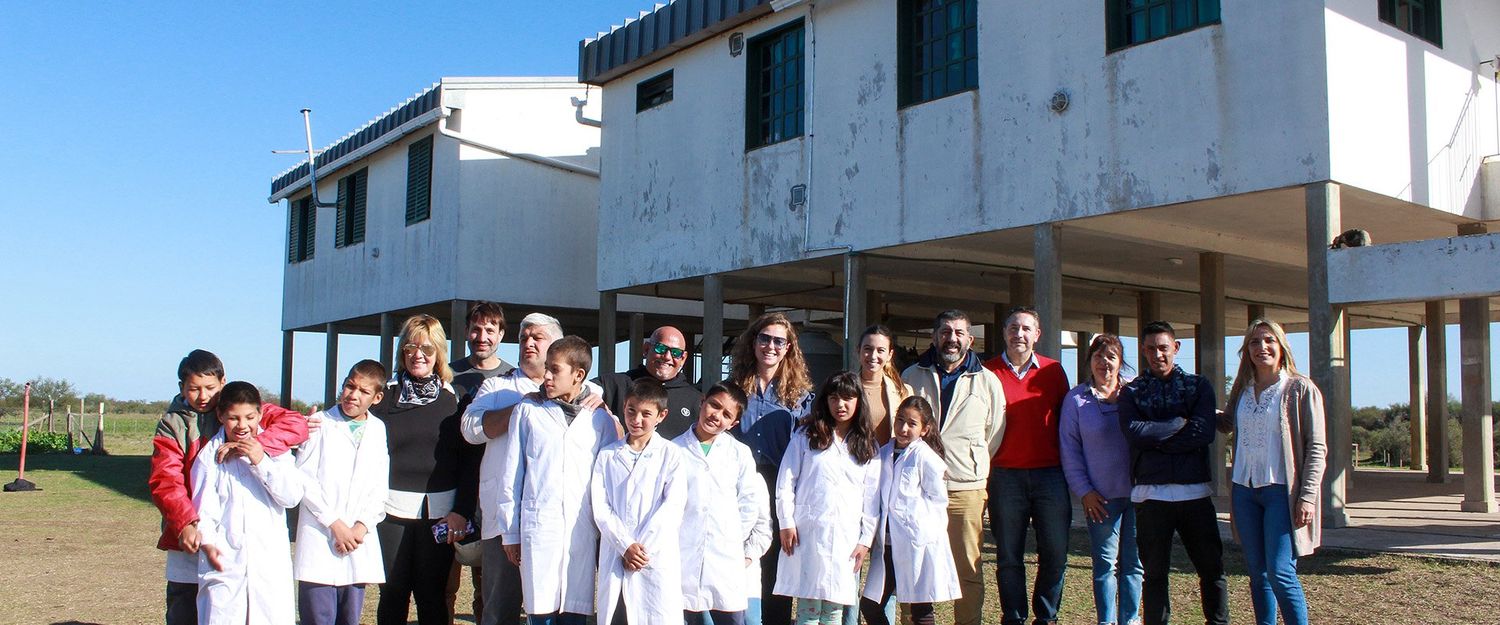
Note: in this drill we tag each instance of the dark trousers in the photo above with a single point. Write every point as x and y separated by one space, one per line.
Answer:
500 585
319 604
1194 522
182 603
1036 499
874 612
774 609
416 567
713 617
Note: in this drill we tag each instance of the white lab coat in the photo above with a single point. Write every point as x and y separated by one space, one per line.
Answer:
640 498
831 501
242 511
544 503
344 482
914 522
726 500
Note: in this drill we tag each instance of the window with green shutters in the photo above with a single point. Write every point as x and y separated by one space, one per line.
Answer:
349 221
419 180
1130 22
1423 18
939 49
302 228
774 87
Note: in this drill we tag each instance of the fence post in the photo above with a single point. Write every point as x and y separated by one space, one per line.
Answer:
99 433
69 417
50 404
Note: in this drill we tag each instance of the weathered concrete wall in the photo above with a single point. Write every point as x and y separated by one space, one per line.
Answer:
1220 110
1451 268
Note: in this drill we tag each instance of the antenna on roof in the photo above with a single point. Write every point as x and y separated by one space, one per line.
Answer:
312 165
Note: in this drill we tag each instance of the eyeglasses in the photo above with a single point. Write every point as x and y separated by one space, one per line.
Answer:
662 348
426 348
767 340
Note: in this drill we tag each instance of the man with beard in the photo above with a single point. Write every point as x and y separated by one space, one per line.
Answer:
970 405
666 352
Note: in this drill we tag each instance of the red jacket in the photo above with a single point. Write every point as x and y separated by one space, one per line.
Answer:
179 435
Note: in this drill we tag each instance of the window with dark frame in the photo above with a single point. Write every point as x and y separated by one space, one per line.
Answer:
1423 18
419 180
349 218
302 228
1137 21
653 92
774 97
939 49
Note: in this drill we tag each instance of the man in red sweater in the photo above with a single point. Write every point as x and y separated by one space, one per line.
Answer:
187 424
1026 486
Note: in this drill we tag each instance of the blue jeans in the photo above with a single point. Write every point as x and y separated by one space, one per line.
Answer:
1117 565
1037 498
1263 518
558 618
752 611
320 604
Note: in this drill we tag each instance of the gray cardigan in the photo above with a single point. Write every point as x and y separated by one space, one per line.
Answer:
1305 455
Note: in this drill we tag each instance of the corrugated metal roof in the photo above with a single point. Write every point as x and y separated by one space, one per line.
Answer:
412 108
663 30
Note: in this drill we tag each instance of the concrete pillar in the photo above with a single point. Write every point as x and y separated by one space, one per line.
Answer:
1253 312
1437 393
1328 350
854 307
636 342
608 301
1416 367
755 310
1479 441
1082 339
1147 310
387 339
713 330
874 307
286 368
458 330
1210 341
994 334
1022 292
1112 324
331 381
1046 252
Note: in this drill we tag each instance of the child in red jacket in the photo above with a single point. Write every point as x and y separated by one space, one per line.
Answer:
188 422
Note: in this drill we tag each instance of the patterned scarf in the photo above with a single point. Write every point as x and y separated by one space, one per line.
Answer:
419 391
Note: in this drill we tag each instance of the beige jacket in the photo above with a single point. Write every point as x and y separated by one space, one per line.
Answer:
1302 436
975 423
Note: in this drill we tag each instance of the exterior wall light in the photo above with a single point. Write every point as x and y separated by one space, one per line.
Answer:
799 197
736 44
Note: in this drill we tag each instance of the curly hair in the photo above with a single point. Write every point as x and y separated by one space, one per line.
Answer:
792 381
819 424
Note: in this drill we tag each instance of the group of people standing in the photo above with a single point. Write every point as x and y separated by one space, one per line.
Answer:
618 496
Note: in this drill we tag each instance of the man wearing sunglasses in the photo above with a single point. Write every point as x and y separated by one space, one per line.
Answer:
665 354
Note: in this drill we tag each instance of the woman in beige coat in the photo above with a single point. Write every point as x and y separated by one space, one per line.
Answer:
881 383
1279 458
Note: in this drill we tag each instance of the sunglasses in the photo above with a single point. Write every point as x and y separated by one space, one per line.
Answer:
766 340
428 349
662 348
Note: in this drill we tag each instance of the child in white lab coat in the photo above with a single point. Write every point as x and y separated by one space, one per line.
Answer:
826 500
639 493
912 559
727 525
245 555
546 524
347 467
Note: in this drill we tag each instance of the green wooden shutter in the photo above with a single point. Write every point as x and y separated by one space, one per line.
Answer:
357 207
419 181
293 238
341 215
309 227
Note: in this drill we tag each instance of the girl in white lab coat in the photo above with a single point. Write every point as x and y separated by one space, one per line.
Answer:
826 500
727 524
347 470
245 557
912 559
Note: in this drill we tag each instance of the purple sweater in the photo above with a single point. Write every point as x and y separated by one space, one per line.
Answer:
1095 455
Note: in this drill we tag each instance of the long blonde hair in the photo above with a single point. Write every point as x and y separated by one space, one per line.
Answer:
1246 373
419 327
792 381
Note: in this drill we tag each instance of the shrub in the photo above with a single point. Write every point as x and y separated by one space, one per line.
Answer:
36 443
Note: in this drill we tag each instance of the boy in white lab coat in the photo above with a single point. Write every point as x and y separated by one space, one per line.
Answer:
347 469
546 525
639 492
726 527
245 556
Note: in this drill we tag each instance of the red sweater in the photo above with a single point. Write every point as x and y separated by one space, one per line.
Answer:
1032 411
179 435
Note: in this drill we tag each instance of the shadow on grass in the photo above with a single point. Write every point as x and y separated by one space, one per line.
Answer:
125 475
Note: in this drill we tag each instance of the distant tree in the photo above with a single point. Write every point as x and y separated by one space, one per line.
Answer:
57 390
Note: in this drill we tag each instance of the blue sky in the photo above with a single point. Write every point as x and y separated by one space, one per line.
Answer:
137 162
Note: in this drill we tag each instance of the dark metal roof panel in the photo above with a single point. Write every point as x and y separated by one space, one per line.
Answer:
422 103
667 29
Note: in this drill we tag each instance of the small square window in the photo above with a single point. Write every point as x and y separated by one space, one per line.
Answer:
1130 22
1423 18
939 49
653 92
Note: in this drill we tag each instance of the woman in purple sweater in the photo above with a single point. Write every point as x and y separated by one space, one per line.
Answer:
1096 463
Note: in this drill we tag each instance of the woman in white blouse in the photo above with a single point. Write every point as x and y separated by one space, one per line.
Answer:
1276 414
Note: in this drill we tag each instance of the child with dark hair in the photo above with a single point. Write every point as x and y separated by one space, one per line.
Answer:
246 556
189 421
826 530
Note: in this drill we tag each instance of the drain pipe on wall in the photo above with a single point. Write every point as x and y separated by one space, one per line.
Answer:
312 163
809 83
578 112
535 158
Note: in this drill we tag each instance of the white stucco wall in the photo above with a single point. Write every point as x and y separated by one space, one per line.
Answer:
1220 110
1409 119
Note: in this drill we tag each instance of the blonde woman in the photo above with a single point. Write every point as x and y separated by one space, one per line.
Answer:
881 384
1279 457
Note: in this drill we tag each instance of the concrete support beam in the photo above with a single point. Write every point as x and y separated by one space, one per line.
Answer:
854 307
1329 352
608 313
713 330
1416 368
1082 340
1147 310
636 342
1047 255
387 340
1479 441
1210 342
1253 312
458 330
874 307
331 382
755 311
1112 324
1437 393
1022 292
286 368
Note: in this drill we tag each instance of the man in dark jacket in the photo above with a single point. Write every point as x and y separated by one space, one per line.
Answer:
1168 417
665 354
